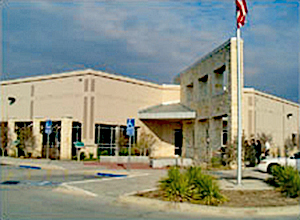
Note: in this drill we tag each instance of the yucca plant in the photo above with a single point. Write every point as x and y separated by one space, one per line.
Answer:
176 186
191 185
207 190
192 174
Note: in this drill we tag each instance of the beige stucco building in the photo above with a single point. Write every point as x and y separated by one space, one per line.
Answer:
82 104
271 115
193 119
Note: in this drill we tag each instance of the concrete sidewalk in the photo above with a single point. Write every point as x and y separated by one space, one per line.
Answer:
37 163
72 165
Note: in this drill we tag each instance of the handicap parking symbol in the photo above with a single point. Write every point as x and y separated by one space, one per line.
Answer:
130 127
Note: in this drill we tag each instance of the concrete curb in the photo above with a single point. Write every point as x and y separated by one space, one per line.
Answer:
207 210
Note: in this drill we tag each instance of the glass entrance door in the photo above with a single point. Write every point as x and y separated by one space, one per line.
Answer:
178 142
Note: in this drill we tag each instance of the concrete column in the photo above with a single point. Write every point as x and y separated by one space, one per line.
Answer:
12 136
66 139
11 130
37 152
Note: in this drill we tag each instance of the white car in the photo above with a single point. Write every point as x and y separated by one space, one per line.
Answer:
266 165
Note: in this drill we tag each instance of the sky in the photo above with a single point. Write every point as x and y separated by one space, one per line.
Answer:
150 40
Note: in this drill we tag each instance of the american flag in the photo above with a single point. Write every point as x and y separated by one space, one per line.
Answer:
241 11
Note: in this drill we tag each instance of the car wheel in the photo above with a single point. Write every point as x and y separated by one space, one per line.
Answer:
271 167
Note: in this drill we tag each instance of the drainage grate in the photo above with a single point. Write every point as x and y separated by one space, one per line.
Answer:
10 182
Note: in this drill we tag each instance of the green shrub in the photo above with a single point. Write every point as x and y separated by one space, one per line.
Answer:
82 156
123 151
104 152
287 180
135 151
193 173
91 156
176 186
191 185
207 190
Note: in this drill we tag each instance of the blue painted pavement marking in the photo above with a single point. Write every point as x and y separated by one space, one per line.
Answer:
110 175
30 167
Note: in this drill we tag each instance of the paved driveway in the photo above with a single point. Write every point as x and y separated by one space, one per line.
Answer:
88 197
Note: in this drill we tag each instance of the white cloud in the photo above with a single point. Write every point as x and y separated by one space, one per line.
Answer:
158 38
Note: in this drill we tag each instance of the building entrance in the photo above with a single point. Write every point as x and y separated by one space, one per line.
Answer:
178 142
76 136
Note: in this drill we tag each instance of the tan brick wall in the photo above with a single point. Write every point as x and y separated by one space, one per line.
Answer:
213 95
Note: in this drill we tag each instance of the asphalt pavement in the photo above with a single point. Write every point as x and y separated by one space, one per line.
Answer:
72 190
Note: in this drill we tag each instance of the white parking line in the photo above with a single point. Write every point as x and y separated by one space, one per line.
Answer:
80 190
106 179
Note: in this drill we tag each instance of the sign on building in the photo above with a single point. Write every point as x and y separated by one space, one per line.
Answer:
130 127
78 144
48 127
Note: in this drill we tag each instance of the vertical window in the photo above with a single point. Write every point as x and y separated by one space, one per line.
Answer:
220 80
224 137
294 139
76 135
189 93
178 141
225 80
203 86
105 137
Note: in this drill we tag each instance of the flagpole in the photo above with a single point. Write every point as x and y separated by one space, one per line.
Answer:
239 153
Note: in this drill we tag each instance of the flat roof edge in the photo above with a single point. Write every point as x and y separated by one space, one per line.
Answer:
270 96
86 72
168 115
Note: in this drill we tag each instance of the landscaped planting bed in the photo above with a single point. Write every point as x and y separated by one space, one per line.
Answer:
238 198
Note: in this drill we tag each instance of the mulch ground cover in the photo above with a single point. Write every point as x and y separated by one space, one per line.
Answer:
238 198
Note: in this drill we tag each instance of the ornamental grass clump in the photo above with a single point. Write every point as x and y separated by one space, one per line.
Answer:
207 191
287 180
176 186
191 185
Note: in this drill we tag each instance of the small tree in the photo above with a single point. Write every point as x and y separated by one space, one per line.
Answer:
288 146
263 137
122 144
230 151
145 142
27 140
4 137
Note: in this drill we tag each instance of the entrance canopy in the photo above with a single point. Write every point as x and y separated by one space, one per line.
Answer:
166 112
